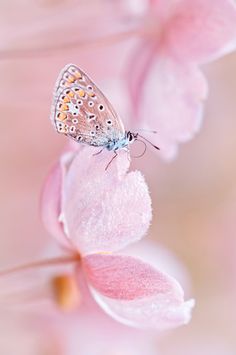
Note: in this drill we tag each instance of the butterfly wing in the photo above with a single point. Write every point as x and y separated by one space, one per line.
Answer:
82 112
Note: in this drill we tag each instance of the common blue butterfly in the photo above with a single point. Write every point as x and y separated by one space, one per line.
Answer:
82 112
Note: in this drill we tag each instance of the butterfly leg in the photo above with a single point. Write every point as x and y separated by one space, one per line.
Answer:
114 156
98 152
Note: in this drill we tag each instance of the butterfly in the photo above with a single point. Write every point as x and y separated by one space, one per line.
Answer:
82 112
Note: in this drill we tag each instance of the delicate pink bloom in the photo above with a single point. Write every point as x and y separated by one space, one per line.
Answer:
109 336
166 85
135 293
99 212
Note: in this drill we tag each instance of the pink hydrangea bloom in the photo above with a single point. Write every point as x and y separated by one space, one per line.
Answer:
96 213
166 86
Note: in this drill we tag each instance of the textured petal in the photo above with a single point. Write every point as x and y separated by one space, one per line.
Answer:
171 102
201 30
51 204
104 210
135 293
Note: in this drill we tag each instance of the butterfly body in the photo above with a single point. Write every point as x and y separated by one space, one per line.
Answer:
81 112
122 142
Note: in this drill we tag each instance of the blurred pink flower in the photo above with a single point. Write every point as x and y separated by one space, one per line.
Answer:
94 213
33 299
166 86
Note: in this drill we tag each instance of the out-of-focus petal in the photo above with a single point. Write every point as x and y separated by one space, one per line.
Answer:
171 103
135 293
136 74
202 30
104 209
51 204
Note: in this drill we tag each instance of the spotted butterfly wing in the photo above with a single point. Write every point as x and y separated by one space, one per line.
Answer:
82 112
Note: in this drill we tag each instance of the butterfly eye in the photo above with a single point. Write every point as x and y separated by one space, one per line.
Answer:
97 126
89 87
75 121
101 107
109 122
80 102
91 103
92 133
130 138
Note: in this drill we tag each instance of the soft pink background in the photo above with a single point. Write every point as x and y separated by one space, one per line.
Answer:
193 197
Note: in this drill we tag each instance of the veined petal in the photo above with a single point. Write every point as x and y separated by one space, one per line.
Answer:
135 293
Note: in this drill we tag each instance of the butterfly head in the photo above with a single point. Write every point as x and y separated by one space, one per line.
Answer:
131 137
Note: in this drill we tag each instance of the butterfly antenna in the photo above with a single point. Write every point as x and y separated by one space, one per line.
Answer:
153 145
146 130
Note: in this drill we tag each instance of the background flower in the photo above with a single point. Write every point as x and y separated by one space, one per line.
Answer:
167 88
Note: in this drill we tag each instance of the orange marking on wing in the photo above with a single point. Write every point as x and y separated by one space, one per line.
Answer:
91 94
61 116
81 93
77 74
66 99
71 94
71 79
64 107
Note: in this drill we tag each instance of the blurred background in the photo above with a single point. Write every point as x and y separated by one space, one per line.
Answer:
194 197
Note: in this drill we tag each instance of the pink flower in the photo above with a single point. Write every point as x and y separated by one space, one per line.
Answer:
166 86
96 213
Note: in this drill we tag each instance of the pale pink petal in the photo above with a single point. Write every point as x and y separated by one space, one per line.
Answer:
201 30
171 102
51 204
135 293
136 73
104 209
162 259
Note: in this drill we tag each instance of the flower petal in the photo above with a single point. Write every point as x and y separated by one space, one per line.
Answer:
202 30
135 293
171 103
137 71
160 258
51 204
104 209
